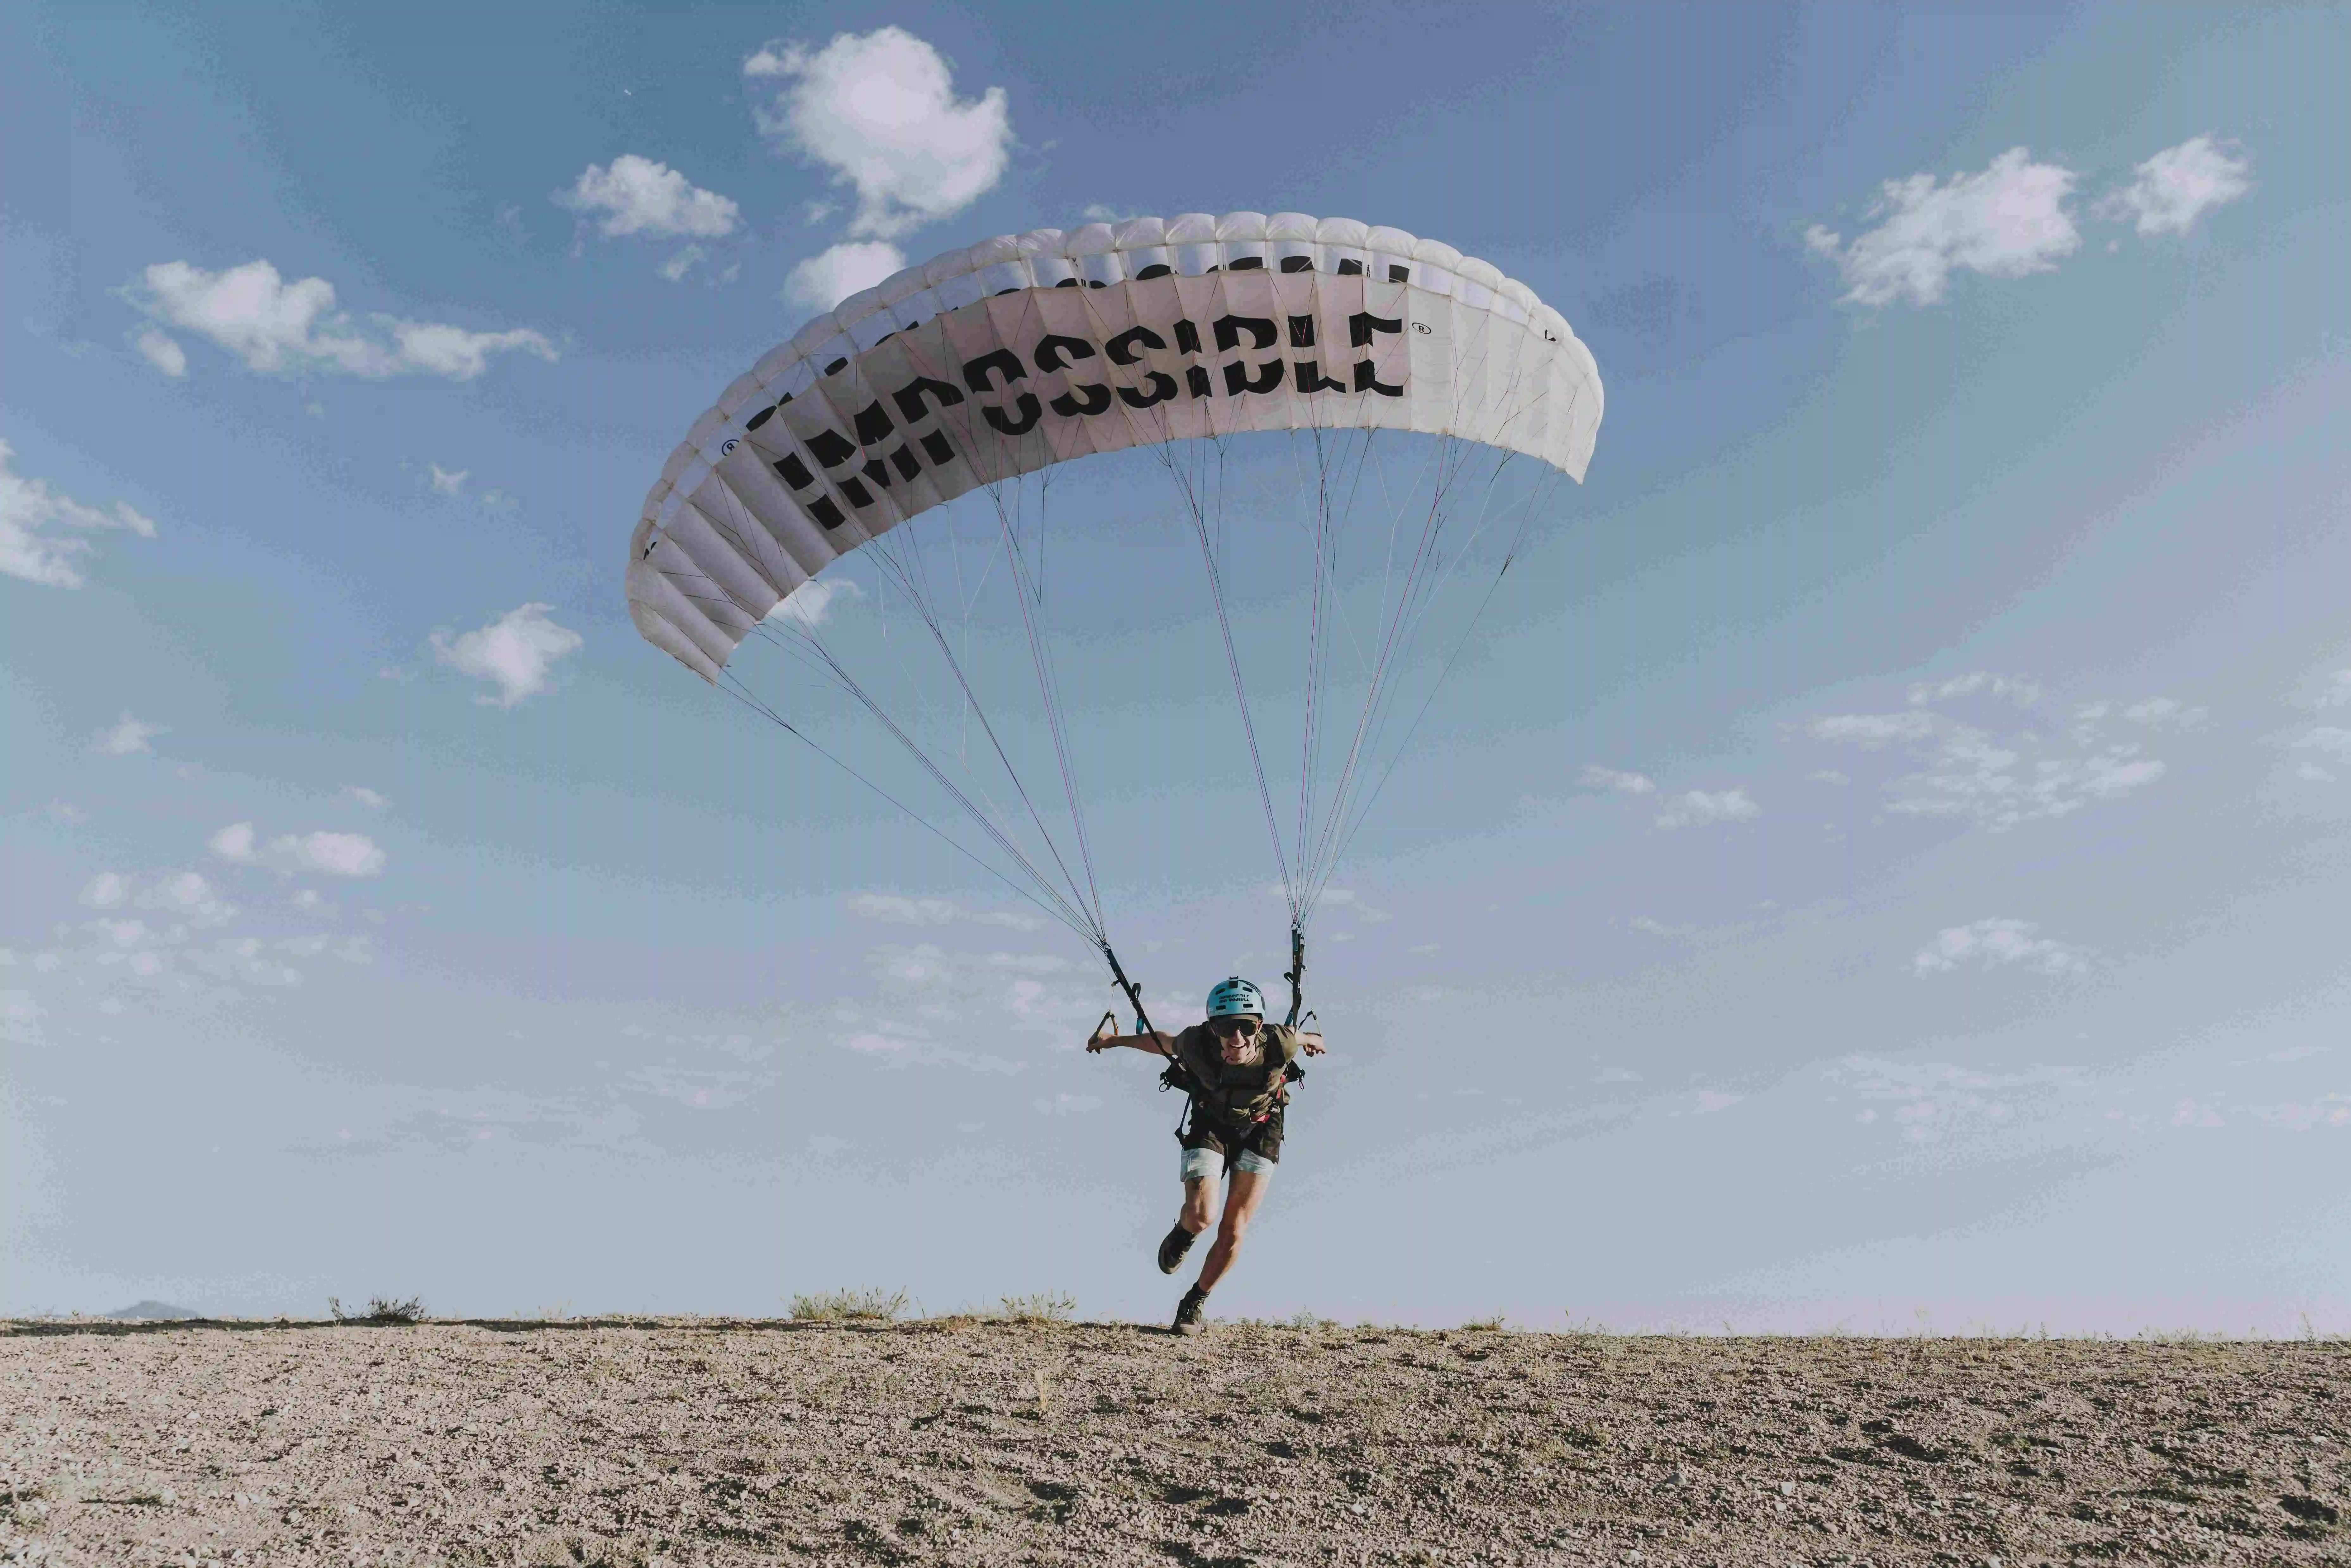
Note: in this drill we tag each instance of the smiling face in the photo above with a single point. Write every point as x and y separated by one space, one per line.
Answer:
1238 1036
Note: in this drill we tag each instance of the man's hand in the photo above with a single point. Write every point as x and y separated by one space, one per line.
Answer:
1104 1032
1311 1044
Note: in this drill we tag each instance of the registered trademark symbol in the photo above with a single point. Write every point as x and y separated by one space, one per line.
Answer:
1421 328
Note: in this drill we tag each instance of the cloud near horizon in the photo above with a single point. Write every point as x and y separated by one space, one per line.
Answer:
276 327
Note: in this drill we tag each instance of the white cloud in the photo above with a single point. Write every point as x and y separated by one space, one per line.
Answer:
675 269
518 651
1828 775
1659 928
129 736
2007 222
1348 898
311 901
1710 1101
446 482
1996 944
163 351
894 909
1068 1105
2016 689
2328 738
2194 1114
293 328
1425 950
1871 731
636 195
1097 212
291 855
1698 809
28 507
185 895
880 110
365 797
499 501
811 603
827 278
2166 712
1601 778
1973 774
2179 185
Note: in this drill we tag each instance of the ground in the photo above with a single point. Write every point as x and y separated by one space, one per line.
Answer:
981 1441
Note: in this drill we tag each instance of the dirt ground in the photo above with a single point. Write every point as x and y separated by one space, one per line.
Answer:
981 1441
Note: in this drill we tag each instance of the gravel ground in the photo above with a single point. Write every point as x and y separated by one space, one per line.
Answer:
978 1441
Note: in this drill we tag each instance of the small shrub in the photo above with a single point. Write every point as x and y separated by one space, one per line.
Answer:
841 1306
1485 1325
1305 1319
1044 1307
379 1310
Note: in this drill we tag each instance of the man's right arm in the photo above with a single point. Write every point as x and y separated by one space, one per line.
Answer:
1159 1042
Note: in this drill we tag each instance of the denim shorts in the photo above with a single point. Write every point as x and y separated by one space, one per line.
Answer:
1204 1164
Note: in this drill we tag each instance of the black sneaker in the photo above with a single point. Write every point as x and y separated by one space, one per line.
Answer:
1171 1249
1187 1311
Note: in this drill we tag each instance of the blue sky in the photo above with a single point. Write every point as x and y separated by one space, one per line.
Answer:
1885 850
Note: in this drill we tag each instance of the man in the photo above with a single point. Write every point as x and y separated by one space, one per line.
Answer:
1236 1068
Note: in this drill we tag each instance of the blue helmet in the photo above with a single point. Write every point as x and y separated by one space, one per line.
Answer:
1235 996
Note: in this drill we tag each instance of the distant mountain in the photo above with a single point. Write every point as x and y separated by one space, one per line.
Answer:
153 1310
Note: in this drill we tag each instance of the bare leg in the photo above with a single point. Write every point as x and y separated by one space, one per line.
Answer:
1200 1202
1240 1206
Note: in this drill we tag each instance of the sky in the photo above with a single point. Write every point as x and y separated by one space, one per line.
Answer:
1879 861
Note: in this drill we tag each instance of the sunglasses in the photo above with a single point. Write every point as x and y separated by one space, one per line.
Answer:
1242 1027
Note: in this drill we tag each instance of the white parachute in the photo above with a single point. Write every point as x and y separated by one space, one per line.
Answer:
1001 360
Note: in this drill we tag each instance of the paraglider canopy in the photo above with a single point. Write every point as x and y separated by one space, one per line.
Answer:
1031 349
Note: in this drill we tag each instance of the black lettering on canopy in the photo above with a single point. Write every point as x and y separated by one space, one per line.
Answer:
1297 263
764 414
1363 324
1160 388
1122 349
1311 378
1030 413
879 474
938 448
1054 351
1261 329
1089 399
1157 269
1237 380
1350 268
1003 361
859 496
827 513
1367 381
1247 263
1187 338
795 471
1196 378
1301 331
831 448
910 396
1399 274
872 424
906 463
1008 368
